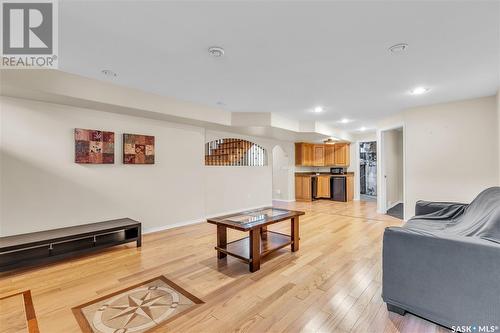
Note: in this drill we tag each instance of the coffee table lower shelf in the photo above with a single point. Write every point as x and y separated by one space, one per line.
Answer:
270 241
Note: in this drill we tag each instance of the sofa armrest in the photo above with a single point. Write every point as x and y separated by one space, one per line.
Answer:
452 281
428 207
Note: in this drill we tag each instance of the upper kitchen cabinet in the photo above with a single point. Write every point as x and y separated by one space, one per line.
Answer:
318 155
304 154
329 155
342 154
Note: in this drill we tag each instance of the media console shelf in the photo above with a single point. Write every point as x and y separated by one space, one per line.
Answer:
51 245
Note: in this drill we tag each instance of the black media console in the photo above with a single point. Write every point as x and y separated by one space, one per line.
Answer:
51 245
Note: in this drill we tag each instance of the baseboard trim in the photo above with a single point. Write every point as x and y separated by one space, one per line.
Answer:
283 200
194 221
171 226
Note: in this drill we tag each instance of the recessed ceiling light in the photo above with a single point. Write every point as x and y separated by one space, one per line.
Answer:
344 121
109 72
401 47
362 129
216 51
419 91
318 109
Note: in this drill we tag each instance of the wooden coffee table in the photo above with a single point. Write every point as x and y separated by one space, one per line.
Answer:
260 242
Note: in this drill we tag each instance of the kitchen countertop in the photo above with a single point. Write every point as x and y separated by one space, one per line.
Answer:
314 174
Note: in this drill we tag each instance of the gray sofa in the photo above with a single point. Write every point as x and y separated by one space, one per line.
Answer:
444 263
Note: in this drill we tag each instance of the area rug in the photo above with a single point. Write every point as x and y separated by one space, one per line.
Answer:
17 313
138 308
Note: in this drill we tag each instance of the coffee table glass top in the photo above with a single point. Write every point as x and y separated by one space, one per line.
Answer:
252 219
255 215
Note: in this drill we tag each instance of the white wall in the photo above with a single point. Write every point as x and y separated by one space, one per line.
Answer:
42 187
365 136
393 166
281 173
233 188
1 166
354 167
450 150
230 188
498 118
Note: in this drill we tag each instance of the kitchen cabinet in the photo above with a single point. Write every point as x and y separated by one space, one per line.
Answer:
318 155
323 187
350 188
303 188
342 154
304 154
329 155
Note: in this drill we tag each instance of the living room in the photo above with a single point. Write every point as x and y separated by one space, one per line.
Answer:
232 166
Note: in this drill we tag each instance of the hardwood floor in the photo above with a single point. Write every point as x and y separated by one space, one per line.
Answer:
332 284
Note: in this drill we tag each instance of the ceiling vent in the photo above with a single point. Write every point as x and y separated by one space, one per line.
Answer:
398 48
216 51
108 73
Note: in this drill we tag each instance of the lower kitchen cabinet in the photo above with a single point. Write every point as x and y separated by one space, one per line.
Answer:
350 188
323 187
309 187
303 188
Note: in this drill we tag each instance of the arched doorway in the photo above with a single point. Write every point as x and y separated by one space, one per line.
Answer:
281 174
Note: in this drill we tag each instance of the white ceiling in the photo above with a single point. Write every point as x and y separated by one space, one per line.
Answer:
287 57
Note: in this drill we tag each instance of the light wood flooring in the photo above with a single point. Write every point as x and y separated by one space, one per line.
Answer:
332 284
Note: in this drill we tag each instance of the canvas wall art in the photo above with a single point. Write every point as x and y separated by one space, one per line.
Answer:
138 149
94 147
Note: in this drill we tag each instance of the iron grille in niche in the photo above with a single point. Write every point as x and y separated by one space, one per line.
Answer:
234 152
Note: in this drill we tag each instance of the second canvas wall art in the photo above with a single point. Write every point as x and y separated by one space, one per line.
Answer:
138 149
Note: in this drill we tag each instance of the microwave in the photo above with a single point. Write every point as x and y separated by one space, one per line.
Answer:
337 171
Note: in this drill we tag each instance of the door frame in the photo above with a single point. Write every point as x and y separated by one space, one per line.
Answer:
381 180
358 166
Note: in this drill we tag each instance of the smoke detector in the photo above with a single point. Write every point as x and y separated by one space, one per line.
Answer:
108 73
401 47
216 51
